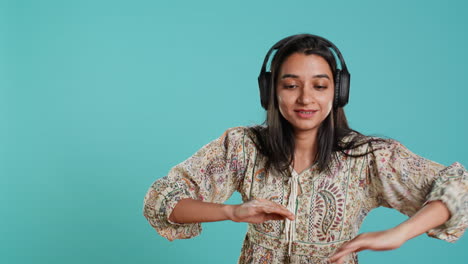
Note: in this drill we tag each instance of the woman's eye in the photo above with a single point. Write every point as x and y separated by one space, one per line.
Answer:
320 87
290 86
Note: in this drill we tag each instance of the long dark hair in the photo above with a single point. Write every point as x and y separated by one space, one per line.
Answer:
275 137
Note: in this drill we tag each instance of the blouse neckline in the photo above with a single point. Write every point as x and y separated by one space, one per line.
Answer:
303 171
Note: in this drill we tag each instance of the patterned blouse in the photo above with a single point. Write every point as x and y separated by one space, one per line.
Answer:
329 208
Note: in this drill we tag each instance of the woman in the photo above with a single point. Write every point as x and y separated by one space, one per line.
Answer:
307 180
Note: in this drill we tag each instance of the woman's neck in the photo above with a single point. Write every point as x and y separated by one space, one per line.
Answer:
305 148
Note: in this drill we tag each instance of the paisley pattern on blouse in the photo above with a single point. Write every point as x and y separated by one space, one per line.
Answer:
330 207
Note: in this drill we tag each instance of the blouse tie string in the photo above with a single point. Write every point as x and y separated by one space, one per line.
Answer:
290 226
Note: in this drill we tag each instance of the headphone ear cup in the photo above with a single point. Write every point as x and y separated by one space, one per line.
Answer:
344 88
264 82
336 100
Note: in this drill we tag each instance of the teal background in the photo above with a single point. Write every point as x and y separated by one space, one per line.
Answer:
100 98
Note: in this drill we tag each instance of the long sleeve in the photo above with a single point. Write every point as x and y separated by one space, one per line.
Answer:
212 174
406 182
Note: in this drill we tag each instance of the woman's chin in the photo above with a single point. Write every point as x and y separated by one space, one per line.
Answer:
305 127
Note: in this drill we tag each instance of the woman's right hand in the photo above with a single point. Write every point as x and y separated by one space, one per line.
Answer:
258 211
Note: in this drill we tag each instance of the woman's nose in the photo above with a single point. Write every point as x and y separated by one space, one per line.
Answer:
306 95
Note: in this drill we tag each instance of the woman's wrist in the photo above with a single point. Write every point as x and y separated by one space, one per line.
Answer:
228 211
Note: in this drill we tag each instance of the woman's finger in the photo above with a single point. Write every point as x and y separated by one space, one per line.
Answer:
354 245
278 210
270 207
345 249
275 217
340 257
284 209
269 202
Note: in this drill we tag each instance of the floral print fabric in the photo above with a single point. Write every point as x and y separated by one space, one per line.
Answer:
330 207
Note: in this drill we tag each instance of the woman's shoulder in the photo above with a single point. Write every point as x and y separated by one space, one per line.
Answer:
240 134
237 132
240 140
358 141
234 132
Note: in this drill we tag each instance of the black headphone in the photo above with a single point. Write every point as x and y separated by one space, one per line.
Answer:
342 76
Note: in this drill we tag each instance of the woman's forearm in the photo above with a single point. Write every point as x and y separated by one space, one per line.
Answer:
254 211
195 211
432 215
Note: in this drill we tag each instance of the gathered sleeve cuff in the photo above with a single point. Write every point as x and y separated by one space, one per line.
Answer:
406 182
160 201
212 174
451 187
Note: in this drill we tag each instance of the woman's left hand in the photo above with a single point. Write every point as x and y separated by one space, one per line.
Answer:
382 240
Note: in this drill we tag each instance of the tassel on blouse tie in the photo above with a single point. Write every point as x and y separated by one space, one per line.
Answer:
290 226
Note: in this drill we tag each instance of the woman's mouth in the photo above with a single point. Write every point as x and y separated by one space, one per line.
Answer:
305 113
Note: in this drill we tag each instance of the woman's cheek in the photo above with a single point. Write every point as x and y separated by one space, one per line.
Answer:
327 101
282 105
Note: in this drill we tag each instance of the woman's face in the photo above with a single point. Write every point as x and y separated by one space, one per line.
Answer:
305 91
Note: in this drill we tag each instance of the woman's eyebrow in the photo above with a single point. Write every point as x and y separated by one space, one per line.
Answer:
321 76
288 75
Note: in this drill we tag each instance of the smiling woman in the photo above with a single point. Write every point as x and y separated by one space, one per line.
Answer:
306 178
305 93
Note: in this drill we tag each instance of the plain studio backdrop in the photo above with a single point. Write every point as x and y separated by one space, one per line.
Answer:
100 98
